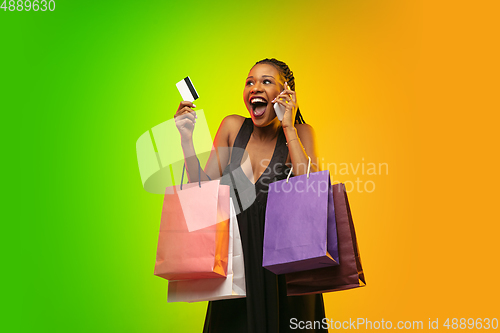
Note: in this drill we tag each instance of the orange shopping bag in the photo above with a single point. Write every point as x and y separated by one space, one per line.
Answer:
194 232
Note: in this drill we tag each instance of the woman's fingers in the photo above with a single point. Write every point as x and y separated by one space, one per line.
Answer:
185 111
288 95
188 123
186 103
284 103
189 116
185 117
185 107
290 92
284 97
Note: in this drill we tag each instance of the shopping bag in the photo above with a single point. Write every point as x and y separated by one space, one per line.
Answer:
233 286
194 232
300 232
349 274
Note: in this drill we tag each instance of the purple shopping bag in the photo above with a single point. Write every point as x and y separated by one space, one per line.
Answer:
349 274
300 232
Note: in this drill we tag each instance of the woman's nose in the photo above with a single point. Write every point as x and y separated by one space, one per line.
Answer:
256 88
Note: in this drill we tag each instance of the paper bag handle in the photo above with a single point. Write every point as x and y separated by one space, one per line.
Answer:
308 169
199 173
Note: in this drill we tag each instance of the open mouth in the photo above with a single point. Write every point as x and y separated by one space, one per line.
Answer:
259 106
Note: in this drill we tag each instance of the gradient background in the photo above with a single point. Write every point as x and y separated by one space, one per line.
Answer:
413 84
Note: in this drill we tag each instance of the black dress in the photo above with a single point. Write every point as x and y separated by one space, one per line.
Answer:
266 308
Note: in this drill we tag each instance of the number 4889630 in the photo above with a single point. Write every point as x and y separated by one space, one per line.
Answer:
27 5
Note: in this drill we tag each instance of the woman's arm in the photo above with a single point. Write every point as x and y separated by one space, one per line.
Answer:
300 138
185 119
301 145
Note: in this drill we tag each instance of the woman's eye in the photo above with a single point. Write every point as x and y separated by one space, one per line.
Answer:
249 83
267 81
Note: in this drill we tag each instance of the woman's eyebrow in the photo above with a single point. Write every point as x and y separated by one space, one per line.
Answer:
251 77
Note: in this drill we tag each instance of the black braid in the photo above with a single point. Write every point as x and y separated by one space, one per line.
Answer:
289 78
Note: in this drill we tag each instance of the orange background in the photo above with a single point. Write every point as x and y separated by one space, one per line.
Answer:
413 84
424 99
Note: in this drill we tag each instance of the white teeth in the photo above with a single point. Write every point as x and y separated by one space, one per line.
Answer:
257 100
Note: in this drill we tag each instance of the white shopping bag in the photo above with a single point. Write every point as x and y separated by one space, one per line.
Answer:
232 286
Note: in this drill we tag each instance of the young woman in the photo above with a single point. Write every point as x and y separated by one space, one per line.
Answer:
254 152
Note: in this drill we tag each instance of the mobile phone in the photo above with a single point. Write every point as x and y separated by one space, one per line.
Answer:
279 110
187 90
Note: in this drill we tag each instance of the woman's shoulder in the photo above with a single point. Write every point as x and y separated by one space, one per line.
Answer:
232 123
232 120
230 126
304 130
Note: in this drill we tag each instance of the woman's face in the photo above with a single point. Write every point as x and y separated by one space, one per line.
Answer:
263 84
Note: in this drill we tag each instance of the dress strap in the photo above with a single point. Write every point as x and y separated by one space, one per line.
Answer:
241 141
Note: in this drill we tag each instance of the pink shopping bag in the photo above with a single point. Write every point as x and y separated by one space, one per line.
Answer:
233 286
194 232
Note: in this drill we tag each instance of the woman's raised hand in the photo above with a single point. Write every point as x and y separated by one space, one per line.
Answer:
288 99
185 118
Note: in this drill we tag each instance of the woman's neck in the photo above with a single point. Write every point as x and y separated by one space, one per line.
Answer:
268 132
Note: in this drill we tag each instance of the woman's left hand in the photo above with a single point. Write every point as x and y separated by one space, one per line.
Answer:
288 99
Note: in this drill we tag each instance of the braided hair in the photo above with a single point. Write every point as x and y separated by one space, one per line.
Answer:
289 78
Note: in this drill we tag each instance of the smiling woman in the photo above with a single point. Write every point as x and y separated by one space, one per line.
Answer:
281 144
284 72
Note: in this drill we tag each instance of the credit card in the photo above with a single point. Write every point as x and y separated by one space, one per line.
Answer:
187 90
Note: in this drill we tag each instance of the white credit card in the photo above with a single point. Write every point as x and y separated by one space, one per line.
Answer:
187 90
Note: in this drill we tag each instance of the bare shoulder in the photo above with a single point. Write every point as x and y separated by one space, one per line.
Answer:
229 128
232 121
305 131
